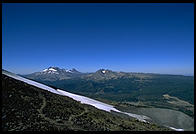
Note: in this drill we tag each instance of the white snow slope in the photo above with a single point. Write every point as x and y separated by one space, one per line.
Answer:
176 129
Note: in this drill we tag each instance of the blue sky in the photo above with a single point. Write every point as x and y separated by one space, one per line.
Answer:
131 37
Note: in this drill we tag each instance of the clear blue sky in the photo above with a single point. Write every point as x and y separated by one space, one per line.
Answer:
156 38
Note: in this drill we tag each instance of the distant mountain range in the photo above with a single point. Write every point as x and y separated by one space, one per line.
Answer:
56 73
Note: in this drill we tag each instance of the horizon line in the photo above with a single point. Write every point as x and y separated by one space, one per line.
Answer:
110 70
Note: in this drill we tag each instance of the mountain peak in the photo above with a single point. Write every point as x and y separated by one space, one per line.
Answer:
57 70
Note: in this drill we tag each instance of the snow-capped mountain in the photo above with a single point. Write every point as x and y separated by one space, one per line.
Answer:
104 74
56 70
53 74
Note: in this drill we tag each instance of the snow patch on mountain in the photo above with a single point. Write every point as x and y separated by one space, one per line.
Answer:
52 69
68 71
103 71
52 72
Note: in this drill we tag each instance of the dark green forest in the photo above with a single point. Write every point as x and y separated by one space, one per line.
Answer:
131 89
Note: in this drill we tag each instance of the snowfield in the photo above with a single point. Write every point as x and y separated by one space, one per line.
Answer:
176 129
89 101
100 105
